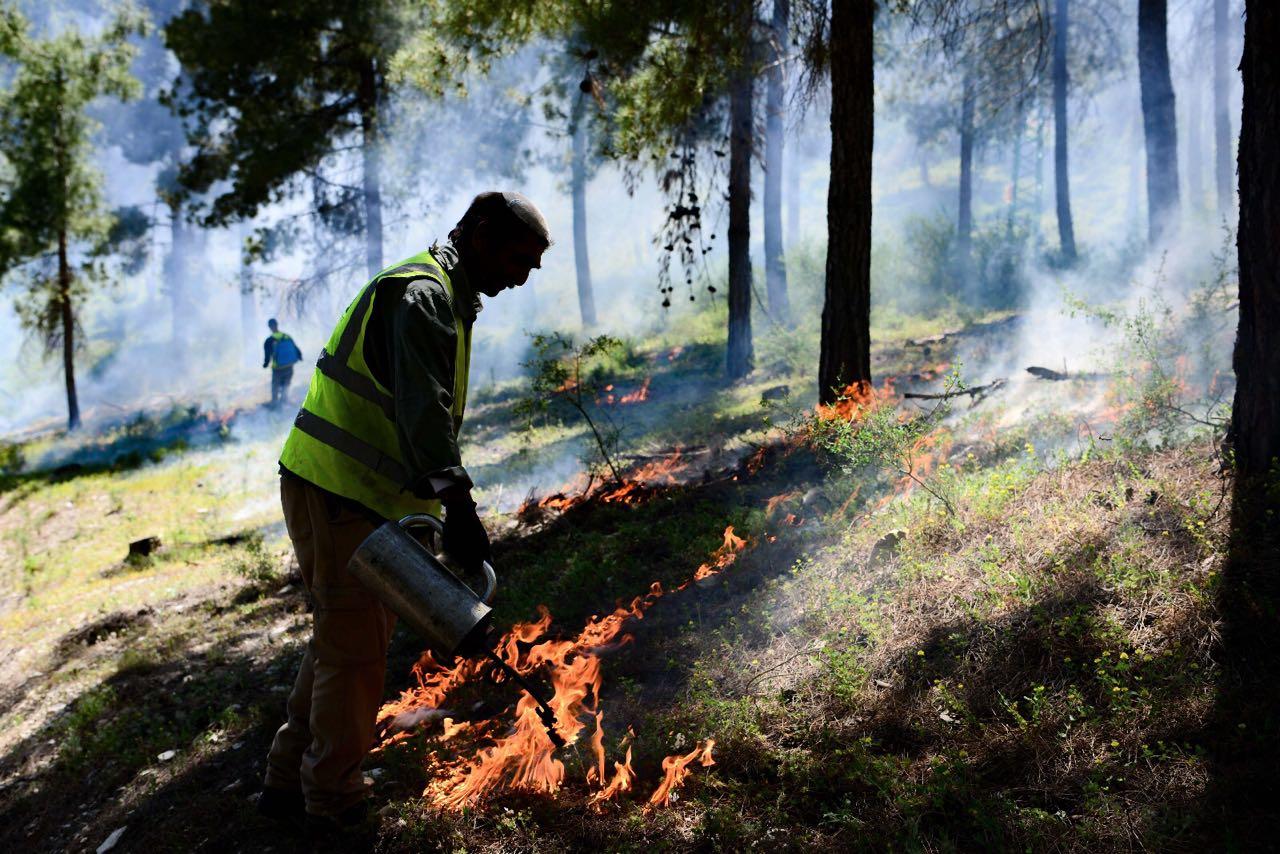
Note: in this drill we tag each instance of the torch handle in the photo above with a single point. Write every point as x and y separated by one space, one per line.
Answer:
425 520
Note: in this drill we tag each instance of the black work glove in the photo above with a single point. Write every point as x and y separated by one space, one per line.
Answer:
465 539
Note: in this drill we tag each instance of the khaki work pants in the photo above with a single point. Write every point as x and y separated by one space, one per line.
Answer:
336 696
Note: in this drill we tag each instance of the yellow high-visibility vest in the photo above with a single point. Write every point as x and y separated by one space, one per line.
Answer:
344 437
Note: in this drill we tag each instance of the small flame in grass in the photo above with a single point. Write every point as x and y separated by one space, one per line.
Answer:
676 769
596 774
771 506
635 488
723 556
639 395
926 453
623 777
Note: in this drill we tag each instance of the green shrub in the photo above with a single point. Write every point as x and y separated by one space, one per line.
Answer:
255 563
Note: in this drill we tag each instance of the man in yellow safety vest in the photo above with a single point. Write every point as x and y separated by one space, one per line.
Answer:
377 439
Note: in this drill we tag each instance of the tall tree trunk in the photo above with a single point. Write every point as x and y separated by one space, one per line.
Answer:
1062 182
1159 119
578 187
66 314
68 331
964 214
1222 109
1195 149
775 269
371 161
739 357
845 356
1255 417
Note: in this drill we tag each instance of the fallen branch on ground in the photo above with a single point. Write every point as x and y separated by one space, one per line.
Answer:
1059 376
976 393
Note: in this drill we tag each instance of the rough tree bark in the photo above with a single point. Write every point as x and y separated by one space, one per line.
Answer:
1159 119
1255 417
371 163
1222 109
964 214
739 356
1062 183
775 268
68 319
66 314
578 189
846 312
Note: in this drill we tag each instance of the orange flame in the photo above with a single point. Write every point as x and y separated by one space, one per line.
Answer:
635 487
623 777
640 394
721 558
523 758
857 399
676 769
771 505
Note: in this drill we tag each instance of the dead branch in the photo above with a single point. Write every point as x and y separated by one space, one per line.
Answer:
976 393
1059 376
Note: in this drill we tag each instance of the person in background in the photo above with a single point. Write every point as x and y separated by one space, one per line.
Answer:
280 353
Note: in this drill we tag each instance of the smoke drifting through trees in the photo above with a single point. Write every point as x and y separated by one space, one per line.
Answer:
298 248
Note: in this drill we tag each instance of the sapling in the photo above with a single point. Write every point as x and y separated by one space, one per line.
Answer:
560 369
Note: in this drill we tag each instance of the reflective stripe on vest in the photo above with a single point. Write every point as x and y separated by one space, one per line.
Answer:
344 437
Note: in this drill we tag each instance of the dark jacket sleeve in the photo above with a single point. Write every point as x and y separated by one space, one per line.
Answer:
424 349
268 348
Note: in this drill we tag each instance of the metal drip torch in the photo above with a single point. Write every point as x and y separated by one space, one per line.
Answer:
434 602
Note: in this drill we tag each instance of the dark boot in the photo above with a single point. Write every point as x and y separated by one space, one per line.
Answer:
283 805
353 829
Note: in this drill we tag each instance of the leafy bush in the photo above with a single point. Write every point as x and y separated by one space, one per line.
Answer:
255 563
875 435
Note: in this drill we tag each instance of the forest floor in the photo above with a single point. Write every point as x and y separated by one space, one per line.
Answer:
1015 642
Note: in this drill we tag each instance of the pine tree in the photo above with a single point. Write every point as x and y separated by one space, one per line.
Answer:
277 93
54 227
